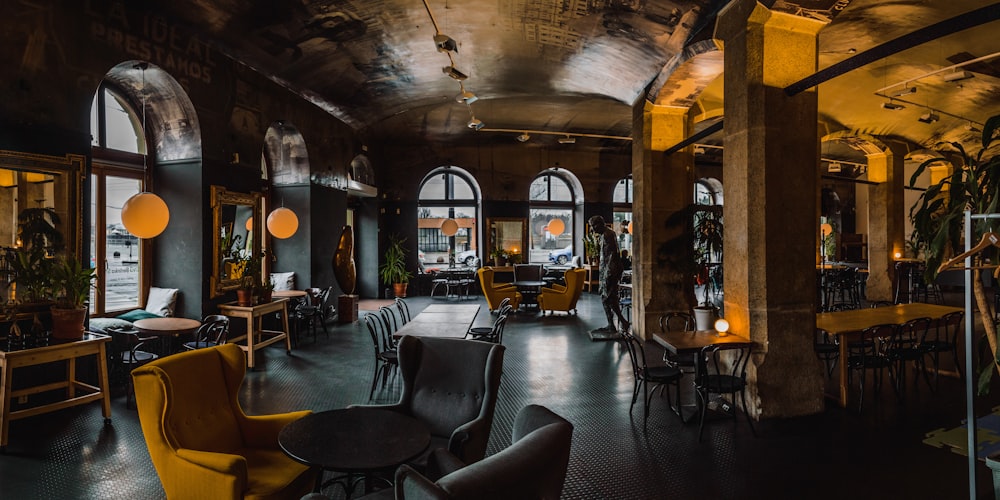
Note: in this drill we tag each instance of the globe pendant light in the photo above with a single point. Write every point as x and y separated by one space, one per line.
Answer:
282 223
145 215
449 227
249 224
556 227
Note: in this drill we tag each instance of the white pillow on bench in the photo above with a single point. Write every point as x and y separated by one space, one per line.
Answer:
161 301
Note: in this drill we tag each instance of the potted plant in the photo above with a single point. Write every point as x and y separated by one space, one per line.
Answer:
499 256
708 238
246 269
71 284
393 269
937 226
592 248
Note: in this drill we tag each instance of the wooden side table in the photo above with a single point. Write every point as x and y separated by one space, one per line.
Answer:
256 337
69 351
593 278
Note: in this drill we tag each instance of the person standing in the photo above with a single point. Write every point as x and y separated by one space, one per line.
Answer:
610 275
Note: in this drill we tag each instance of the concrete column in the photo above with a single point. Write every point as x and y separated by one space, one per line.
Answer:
885 220
663 186
771 184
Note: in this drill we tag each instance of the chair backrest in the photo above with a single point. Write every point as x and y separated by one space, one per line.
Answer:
404 310
726 360
527 272
949 326
497 335
676 321
504 303
873 341
373 323
574 279
449 382
389 318
533 466
636 353
214 328
176 395
912 332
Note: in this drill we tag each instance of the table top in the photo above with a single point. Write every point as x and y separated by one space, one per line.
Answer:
274 305
841 322
290 294
450 308
54 344
446 321
691 342
529 283
167 326
354 439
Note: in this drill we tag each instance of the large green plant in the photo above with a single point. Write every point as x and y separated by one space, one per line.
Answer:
393 269
938 218
71 282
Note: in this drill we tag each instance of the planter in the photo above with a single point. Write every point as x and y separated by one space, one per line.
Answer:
704 318
399 289
68 323
244 297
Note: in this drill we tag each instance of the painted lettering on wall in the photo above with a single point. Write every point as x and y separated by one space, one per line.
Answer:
152 38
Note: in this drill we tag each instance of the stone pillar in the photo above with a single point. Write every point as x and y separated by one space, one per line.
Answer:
662 189
771 184
885 220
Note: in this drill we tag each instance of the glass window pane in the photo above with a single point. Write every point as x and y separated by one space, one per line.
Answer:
539 190
434 246
433 188
546 247
620 225
463 191
123 129
560 190
702 196
95 134
122 249
623 191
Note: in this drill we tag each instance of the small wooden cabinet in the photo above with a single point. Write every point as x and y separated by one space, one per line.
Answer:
593 278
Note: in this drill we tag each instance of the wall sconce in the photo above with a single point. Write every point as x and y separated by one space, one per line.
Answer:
145 215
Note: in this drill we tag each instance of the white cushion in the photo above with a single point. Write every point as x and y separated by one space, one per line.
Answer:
161 301
283 281
575 264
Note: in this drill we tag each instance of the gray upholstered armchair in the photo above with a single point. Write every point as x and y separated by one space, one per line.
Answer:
533 467
451 386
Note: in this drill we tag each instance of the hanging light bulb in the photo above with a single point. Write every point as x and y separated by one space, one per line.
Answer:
556 227
282 223
249 224
145 215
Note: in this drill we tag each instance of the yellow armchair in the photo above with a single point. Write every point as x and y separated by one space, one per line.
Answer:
563 298
496 293
201 442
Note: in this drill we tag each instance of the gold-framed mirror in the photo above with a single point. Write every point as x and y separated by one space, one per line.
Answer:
48 186
236 225
509 234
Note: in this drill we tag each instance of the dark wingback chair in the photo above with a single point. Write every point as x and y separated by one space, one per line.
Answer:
451 386
533 467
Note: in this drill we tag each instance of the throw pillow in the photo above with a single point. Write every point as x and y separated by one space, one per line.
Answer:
161 301
137 314
283 281
101 325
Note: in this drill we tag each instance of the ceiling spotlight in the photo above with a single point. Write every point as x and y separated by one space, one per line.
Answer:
466 97
524 137
892 106
567 140
833 167
972 128
454 73
475 123
445 43
699 150
928 117
958 75
904 91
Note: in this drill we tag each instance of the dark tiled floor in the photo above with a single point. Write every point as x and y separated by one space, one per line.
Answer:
550 361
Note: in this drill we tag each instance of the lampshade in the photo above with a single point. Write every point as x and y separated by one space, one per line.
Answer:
556 227
282 223
825 229
249 224
449 227
722 327
145 215
630 228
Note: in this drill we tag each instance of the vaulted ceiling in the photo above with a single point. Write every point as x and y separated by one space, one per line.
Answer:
576 66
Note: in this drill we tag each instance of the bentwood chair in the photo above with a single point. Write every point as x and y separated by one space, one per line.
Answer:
128 354
532 467
944 338
714 375
642 375
827 349
404 311
868 354
677 321
386 357
213 331
905 346
494 332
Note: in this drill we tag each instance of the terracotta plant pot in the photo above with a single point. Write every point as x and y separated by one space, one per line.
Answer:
68 323
399 289
244 298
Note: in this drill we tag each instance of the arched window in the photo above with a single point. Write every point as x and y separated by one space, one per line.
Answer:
448 193
622 201
119 159
552 198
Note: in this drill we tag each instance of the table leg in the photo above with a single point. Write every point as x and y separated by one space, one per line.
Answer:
71 378
843 372
284 322
5 391
250 335
102 381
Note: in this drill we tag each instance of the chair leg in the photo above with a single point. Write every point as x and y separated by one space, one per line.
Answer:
374 381
746 413
703 407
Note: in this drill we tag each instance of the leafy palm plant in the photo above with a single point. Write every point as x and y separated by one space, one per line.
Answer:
937 220
393 270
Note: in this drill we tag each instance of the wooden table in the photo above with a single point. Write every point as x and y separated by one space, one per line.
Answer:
288 294
354 440
451 321
257 338
845 324
166 328
691 342
58 350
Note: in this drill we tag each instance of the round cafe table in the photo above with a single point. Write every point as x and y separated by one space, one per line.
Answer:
354 441
166 328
